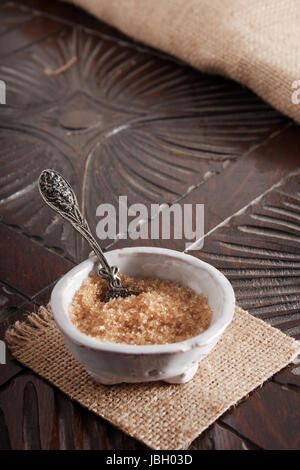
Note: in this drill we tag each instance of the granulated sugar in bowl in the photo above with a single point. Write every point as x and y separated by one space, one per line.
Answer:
198 298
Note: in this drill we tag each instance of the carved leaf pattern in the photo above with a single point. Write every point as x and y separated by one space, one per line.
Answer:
12 18
118 120
259 251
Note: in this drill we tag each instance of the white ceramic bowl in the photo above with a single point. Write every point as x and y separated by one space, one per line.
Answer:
111 363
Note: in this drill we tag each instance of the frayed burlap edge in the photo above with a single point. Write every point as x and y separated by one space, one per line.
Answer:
162 416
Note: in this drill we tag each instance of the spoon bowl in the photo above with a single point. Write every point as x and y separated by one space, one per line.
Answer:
59 195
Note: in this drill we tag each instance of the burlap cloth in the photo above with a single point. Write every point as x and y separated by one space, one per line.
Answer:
161 415
256 43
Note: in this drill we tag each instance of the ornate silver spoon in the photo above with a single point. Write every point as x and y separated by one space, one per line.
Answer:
59 195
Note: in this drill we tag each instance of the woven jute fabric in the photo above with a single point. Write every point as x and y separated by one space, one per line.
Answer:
256 43
161 415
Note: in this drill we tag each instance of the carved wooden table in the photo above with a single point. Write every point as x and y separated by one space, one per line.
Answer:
120 119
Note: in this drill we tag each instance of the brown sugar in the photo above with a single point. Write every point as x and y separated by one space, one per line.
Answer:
164 312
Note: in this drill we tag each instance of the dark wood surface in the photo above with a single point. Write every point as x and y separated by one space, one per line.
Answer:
118 118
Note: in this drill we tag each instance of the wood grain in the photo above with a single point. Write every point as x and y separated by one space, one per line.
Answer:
269 418
237 185
258 250
21 27
26 265
118 120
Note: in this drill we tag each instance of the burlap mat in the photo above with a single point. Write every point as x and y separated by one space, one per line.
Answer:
161 415
256 43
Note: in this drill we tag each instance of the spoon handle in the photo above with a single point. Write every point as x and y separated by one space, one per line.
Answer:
59 195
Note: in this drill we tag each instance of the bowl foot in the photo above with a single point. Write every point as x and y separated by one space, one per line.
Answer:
177 379
104 380
184 377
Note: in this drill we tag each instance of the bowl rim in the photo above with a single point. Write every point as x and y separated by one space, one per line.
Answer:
66 326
